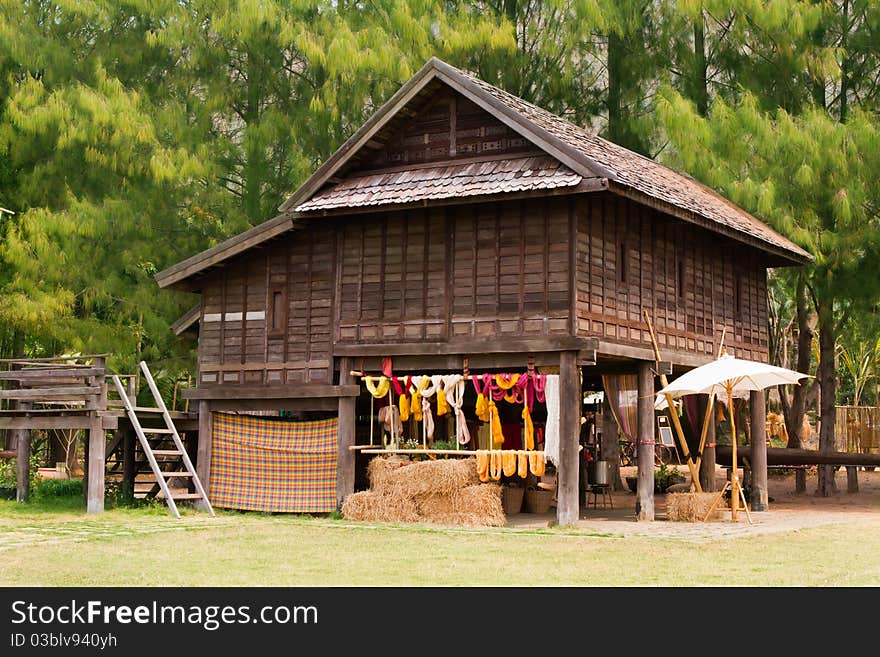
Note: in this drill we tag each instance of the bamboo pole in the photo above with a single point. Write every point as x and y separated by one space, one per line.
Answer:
673 416
459 452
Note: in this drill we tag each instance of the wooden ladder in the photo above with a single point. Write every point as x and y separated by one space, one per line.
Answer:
162 477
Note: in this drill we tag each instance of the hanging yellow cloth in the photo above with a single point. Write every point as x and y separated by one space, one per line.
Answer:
508 461
378 386
415 407
482 409
483 465
495 464
404 408
530 427
522 459
442 403
536 463
497 434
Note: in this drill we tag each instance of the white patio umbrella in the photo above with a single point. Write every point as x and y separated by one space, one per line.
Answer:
730 377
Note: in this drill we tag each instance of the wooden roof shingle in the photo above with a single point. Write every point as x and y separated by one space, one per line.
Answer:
571 155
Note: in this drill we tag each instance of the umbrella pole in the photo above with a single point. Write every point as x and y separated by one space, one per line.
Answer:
734 478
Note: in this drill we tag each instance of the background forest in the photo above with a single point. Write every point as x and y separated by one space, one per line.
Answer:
134 133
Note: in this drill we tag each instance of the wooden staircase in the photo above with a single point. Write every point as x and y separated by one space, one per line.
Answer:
162 447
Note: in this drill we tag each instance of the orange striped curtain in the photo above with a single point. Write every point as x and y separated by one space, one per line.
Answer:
622 392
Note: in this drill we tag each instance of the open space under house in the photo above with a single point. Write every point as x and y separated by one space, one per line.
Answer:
460 234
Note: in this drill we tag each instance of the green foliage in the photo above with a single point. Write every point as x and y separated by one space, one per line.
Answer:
50 488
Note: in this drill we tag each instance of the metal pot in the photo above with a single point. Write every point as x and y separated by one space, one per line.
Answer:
599 474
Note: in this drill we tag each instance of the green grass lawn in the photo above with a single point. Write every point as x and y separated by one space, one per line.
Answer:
54 543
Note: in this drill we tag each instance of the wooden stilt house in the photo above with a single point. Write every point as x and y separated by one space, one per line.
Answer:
462 227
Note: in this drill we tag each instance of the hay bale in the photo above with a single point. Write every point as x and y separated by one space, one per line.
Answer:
378 507
379 469
441 477
478 505
691 507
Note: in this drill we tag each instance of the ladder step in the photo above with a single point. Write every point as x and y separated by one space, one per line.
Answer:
148 430
177 474
146 409
186 496
167 452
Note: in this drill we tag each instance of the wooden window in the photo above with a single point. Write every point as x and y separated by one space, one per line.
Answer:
277 315
621 263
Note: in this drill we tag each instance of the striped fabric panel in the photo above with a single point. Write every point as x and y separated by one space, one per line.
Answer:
273 464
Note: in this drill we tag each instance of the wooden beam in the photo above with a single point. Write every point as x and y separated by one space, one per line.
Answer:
683 359
497 345
50 373
8 454
568 471
295 405
23 456
293 391
72 393
345 458
425 363
758 411
97 465
645 442
64 422
786 456
203 462
53 359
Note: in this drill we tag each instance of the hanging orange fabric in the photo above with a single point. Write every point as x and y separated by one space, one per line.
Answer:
536 463
508 461
530 428
497 434
442 403
506 382
522 458
483 465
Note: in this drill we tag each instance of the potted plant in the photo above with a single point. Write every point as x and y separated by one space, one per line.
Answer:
8 479
665 477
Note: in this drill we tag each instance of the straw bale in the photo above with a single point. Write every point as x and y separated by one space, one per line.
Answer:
440 477
379 507
691 507
478 505
380 468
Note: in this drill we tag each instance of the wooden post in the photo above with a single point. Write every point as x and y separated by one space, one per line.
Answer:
707 462
97 455
345 459
645 442
129 467
568 472
758 460
22 439
203 463
852 479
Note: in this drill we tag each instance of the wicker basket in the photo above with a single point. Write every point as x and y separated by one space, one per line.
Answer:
512 498
537 500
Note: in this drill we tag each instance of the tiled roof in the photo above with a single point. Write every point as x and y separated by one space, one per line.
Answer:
442 182
640 173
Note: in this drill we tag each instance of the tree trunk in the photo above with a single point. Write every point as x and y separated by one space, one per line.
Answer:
645 442
795 409
699 83
828 388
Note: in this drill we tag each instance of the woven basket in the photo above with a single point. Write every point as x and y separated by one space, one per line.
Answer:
537 500
512 498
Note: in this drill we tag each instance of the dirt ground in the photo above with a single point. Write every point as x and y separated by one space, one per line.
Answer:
788 511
